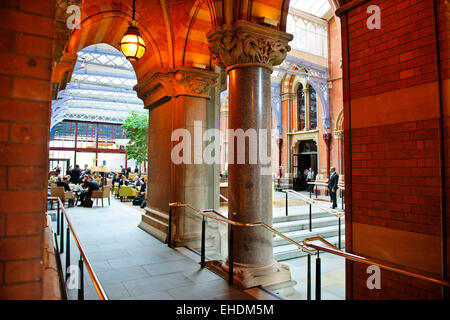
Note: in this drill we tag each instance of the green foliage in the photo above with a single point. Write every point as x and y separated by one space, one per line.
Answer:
136 129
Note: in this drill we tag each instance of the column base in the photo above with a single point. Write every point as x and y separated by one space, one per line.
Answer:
156 223
248 276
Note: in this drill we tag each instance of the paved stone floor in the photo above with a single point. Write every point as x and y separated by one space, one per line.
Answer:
131 264
333 276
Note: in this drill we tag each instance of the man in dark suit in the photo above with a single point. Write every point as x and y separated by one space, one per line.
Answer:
87 193
65 183
333 186
75 175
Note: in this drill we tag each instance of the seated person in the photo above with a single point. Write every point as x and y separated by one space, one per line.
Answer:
58 180
85 182
115 179
123 181
137 182
87 192
86 171
65 183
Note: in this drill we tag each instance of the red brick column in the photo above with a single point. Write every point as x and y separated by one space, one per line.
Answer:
394 103
26 30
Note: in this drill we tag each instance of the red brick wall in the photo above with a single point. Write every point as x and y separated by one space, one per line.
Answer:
26 30
393 161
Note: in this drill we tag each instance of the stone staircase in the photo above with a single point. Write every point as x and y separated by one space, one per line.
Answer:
296 227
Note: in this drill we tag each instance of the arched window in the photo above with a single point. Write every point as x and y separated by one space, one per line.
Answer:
312 109
301 111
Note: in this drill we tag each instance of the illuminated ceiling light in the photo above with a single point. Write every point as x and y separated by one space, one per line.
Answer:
132 45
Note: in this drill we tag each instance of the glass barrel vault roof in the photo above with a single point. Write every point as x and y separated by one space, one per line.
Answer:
101 88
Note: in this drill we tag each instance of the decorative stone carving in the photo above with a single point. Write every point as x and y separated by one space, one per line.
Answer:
338 134
193 82
162 85
246 42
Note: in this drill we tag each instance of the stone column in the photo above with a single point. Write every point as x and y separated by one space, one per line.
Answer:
248 51
327 139
175 100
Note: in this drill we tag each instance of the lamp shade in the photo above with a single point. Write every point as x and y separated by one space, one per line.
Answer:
132 45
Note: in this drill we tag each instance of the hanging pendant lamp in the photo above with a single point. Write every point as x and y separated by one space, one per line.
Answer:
132 45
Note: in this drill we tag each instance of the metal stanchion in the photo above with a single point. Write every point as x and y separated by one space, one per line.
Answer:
57 218
81 287
308 283
287 205
310 217
61 239
202 263
230 257
318 277
67 252
339 230
169 229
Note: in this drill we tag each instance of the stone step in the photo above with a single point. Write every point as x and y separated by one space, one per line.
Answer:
291 251
324 232
157 215
294 216
289 226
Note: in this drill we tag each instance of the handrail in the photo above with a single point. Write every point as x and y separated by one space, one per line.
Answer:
98 287
240 224
315 183
224 198
314 202
334 250
306 244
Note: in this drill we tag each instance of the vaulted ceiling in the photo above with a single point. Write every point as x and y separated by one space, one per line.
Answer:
174 30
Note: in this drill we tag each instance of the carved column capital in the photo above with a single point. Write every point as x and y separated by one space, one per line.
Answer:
163 85
338 134
246 43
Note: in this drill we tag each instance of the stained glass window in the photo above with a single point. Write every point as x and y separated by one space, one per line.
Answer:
301 113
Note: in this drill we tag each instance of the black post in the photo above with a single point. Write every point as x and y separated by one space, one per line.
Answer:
67 252
61 239
318 278
339 230
202 263
342 198
169 229
230 257
81 287
57 219
310 217
287 212
308 283
310 187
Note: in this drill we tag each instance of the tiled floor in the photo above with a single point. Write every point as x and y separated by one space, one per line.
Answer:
131 264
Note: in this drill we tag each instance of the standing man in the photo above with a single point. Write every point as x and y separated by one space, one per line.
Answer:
86 171
308 179
333 186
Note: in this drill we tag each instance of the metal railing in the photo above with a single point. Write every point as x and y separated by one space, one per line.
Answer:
222 219
312 202
306 245
60 216
341 188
